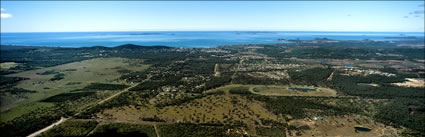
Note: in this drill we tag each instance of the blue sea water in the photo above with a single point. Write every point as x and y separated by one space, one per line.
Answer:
186 39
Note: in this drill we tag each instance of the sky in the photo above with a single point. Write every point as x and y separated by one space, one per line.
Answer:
83 16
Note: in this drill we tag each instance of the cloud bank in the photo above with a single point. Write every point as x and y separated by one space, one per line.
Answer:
5 15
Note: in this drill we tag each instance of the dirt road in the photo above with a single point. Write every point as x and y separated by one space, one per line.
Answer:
110 97
64 119
48 127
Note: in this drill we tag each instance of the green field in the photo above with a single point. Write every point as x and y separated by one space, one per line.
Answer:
76 76
18 111
8 65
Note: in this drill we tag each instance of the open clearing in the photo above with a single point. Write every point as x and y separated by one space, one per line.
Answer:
284 90
412 82
339 126
76 75
368 84
8 65
294 91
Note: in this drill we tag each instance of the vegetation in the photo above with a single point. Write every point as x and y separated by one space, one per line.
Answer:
124 130
240 91
58 76
246 79
302 107
148 85
49 72
171 79
103 86
30 122
396 113
153 119
71 128
8 82
126 98
271 132
215 82
314 76
67 96
192 130
16 91
41 117
348 85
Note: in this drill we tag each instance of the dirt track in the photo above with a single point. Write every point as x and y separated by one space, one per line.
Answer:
48 127
64 119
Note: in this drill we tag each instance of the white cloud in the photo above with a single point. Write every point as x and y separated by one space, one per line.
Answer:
5 15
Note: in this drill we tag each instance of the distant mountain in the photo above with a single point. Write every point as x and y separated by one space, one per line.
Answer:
137 47
97 47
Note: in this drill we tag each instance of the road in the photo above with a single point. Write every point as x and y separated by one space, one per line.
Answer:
64 119
48 127
110 97
156 130
331 76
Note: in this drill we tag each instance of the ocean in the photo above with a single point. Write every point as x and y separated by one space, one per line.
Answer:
185 39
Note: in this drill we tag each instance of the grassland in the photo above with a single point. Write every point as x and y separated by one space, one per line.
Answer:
79 74
8 65
340 126
86 72
18 111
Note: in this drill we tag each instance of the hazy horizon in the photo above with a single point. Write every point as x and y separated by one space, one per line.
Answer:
106 16
214 31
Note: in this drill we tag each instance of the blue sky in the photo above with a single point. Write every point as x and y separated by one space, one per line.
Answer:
60 16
